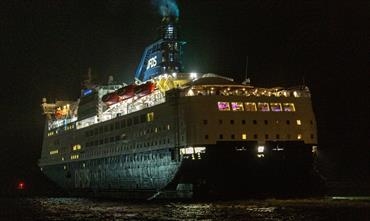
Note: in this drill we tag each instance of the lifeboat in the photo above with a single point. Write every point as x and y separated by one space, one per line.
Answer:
126 92
144 89
110 98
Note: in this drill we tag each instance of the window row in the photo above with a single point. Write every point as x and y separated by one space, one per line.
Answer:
257 136
121 124
252 106
266 122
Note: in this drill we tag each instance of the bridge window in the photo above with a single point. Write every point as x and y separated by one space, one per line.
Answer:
237 106
275 107
250 106
263 107
288 107
223 106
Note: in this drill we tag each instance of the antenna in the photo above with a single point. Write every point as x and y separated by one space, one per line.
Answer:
246 69
246 80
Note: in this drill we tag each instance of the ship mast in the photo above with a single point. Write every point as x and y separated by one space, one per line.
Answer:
246 79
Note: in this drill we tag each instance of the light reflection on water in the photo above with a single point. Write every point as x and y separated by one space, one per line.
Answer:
56 209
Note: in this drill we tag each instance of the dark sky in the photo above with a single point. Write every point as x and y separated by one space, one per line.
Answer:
47 47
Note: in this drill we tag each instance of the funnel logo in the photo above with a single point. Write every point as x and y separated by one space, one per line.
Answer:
152 62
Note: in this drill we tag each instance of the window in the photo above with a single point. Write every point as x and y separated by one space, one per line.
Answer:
205 122
150 116
266 136
243 121
223 106
288 107
136 119
299 136
244 136
266 122
232 136
231 121
263 107
206 137
220 121
123 123
250 106
237 106
312 136
299 122
277 136
255 136
254 121
221 136
288 122
275 107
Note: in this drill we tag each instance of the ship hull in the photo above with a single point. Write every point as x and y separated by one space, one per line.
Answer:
226 170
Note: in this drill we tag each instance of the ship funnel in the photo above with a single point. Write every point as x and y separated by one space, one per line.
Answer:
164 56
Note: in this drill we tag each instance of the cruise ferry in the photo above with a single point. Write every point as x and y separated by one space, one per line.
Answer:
171 134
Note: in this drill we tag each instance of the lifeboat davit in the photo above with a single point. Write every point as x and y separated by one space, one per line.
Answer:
110 98
144 89
126 92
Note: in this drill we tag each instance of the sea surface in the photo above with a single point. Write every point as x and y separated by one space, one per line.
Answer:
34 208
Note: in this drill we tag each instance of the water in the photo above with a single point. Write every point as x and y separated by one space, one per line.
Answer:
273 210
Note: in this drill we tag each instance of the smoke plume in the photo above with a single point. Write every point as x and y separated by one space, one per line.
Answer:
167 7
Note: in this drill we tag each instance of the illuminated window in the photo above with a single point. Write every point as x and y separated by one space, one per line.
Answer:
223 106
275 107
250 106
237 106
52 152
263 107
299 122
244 136
150 116
76 147
74 157
299 136
288 107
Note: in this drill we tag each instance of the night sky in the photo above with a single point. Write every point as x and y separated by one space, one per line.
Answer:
47 47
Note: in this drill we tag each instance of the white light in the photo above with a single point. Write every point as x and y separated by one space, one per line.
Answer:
260 149
174 74
193 75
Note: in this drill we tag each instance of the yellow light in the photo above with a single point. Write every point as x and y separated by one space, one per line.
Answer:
299 122
244 136
52 152
299 136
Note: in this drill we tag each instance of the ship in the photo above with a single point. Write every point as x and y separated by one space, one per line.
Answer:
173 134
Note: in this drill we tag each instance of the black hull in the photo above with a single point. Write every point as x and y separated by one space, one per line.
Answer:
234 170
